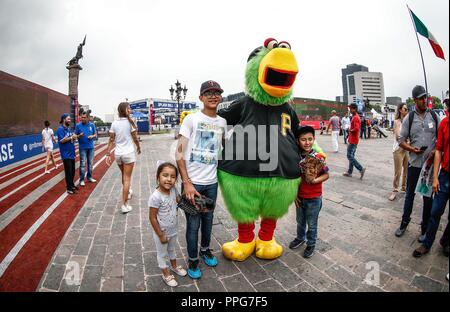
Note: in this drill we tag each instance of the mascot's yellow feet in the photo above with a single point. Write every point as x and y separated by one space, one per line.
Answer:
268 249
238 251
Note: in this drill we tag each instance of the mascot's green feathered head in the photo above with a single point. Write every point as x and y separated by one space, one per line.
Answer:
270 74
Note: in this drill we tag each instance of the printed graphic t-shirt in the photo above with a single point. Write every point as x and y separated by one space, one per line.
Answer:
205 136
167 211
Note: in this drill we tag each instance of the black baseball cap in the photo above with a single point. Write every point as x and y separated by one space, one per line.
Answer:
210 85
419 92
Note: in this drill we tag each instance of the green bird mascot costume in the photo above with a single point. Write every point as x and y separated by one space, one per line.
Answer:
259 174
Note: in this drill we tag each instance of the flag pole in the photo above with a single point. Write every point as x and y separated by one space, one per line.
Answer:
420 49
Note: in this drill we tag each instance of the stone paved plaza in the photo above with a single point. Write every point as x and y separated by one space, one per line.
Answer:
115 252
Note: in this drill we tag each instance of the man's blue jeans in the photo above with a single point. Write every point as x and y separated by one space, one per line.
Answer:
308 215
202 220
86 155
411 183
345 132
439 203
351 150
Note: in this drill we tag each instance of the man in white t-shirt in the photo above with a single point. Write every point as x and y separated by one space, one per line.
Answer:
198 150
345 126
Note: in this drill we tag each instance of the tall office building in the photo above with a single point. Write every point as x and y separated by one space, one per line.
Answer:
349 84
367 85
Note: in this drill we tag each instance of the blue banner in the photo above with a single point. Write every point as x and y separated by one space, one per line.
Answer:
138 105
19 148
173 105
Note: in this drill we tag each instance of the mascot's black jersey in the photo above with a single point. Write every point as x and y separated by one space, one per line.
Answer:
263 142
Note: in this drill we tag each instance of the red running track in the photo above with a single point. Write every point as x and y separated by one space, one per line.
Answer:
17 196
26 270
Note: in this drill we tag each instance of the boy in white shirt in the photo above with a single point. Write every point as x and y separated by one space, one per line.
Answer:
198 150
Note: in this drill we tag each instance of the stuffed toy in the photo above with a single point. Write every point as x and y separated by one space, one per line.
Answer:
259 174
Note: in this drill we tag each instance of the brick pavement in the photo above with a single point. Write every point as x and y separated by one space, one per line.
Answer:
115 252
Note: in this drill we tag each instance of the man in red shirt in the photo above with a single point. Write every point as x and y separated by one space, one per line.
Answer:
440 189
353 140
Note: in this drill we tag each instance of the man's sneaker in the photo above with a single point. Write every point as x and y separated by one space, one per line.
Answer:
179 270
71 192
47 171
401 230
421 238
309 251
92 180
419 252
346 174
126 208
363 171
193 270
82 183
170 280
296 243
130 194
208 257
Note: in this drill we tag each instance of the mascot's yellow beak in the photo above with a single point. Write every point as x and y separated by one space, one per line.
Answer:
277 72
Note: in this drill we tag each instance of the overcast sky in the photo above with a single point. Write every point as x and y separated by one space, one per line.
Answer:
137 49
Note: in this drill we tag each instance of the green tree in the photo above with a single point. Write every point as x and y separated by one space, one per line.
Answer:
437 104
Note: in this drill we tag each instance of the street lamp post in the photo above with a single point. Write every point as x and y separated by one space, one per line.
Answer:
386 107
179 96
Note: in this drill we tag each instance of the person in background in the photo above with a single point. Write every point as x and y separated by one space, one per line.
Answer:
353 140
66 139
123 133
48 138
334 124
401 156
418 137
345 126
363 133
86 147
369 127
441 191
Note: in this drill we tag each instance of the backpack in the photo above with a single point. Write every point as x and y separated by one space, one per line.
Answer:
411 118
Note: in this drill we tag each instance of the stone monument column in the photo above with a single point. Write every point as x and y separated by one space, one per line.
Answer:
74 71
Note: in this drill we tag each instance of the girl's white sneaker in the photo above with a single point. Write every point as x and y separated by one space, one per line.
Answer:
170 280
178 270
126 208
130 194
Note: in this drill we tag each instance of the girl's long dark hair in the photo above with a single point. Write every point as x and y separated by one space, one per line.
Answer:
122 110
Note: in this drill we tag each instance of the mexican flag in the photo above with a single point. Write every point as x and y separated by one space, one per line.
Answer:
423 30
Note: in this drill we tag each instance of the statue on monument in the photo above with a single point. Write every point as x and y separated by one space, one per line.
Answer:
79 54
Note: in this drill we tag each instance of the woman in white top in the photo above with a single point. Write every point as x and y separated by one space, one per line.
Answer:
123 133
401 156
48 138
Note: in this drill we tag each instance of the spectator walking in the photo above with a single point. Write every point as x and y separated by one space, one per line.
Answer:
353 140
401 156
334 124
440 190
322 126
86 147
66 139
420 128
123 133
345 126
48 138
